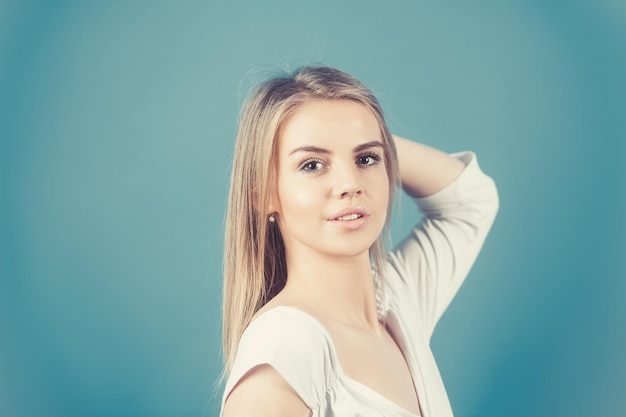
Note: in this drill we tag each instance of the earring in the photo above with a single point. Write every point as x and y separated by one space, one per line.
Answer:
271 218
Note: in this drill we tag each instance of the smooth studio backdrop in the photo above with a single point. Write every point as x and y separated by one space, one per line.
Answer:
117 122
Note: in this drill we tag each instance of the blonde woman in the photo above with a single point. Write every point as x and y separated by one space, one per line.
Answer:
318 319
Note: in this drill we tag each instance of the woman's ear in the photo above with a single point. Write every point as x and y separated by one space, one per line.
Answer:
272 204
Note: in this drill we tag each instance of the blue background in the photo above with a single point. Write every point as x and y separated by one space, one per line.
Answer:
117 122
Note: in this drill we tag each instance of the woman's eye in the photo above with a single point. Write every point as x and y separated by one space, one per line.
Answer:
368 159
312 165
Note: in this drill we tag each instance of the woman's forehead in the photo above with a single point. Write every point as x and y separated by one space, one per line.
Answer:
329 124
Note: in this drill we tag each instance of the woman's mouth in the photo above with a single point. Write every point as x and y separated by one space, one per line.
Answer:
347 217
351 218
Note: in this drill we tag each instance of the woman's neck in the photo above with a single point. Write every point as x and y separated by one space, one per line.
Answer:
338 288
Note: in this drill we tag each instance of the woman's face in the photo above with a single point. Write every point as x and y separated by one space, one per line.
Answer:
332 186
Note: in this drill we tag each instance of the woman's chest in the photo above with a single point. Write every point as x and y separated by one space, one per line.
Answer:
376 362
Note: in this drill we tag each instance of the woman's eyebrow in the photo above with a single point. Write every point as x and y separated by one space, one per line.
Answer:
356 149
309 149
367 145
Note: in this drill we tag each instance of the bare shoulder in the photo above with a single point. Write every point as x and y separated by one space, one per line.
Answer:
264 392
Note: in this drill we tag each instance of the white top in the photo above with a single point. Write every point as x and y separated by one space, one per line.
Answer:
424 273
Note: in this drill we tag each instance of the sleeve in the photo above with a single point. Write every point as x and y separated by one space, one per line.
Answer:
292 343
430 264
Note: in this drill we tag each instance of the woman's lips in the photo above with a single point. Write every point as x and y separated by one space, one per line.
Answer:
348 214
348 217
351 218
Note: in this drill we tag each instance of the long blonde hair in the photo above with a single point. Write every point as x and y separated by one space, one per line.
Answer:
254 254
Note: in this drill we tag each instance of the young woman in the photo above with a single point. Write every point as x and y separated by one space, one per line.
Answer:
318 319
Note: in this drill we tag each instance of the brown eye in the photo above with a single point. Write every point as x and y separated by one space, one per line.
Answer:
311 165
368 159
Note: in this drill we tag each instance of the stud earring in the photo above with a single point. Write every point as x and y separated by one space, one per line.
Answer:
271 218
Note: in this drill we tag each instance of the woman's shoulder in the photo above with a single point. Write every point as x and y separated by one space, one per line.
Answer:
294 344
263 392
280 323
284 312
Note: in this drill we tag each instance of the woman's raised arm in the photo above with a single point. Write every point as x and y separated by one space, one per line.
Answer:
459 203
425 170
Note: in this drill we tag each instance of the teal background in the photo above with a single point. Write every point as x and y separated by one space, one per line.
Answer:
117 122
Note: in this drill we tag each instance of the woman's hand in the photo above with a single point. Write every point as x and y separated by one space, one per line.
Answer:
425 170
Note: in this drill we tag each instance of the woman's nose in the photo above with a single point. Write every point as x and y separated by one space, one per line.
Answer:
350 190
347 184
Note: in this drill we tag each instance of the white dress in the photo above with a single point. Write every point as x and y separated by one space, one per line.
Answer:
424 273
